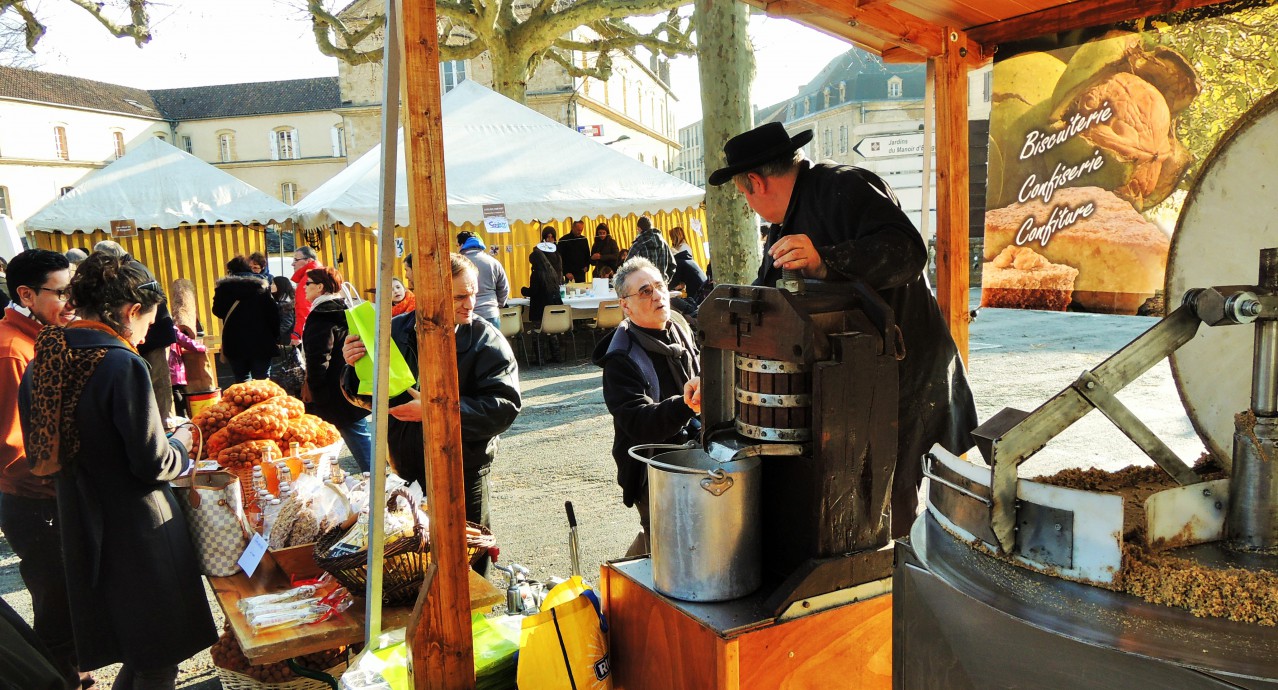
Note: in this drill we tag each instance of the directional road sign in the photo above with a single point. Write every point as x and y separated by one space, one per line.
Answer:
888 145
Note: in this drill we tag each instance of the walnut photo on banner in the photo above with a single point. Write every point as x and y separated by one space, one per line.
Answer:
1095 137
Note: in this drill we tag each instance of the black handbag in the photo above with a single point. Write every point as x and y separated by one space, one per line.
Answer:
288 369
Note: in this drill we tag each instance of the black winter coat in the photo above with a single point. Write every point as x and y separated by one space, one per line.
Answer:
858 227
288 317
488 382
251 330
643 411
575 254
322 340
133 580
609 254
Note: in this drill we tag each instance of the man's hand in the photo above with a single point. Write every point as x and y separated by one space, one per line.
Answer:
692 394
596 256
796 253
410 411
353 349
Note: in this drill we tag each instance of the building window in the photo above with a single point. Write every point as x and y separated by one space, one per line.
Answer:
4 202
843 138
827 144
452 73
826 94
807 105
843 91
338 135
226 147
894 87
285 145
117 138
161 137
288 193
187 145
60 143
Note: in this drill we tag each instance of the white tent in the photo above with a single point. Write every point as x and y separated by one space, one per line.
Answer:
157 186
497 151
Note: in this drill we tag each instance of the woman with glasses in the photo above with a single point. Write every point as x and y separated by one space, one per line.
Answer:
250 321
322 344
133 581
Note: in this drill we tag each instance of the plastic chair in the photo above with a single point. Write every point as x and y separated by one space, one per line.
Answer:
556 320
512 326
608 316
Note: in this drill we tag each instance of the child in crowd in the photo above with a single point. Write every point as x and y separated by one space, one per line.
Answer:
177 367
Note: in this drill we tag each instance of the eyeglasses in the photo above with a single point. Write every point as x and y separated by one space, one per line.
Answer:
63 294
152 286
649 290
311 282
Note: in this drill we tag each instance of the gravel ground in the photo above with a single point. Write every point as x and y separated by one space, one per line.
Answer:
558 449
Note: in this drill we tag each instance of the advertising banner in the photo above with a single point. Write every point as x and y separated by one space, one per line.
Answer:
1094 138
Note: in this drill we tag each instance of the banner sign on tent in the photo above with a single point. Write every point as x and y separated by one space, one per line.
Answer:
495 218
124 228
1094 141
399 247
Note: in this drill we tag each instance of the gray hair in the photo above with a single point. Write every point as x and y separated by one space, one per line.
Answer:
75 256
307 252
631 265
773 168
110 247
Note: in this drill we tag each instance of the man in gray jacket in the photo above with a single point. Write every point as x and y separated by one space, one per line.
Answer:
493 286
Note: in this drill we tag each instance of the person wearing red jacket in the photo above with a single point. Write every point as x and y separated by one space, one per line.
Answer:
304 259
40 281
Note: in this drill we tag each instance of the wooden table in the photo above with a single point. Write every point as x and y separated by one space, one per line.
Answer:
342 629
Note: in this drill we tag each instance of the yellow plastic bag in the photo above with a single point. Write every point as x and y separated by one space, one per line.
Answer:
564 646
362 320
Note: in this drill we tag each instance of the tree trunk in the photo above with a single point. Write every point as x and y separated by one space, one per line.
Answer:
726 66
510 78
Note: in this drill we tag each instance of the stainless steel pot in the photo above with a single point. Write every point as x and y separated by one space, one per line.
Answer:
705 523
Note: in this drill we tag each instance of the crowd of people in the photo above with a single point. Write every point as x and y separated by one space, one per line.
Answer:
90 364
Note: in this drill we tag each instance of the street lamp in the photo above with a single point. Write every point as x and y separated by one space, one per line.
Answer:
623 137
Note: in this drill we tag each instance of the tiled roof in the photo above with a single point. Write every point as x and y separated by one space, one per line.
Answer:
45 87
196 102
257 98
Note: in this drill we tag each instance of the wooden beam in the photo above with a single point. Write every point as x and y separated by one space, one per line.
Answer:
886 23
439 635
1075 15
950 75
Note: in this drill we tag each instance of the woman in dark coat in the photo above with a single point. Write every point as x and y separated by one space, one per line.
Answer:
133 580
250 321
282 292
604 253
322 343
546 277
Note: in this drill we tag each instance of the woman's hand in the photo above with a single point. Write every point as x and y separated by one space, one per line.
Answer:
185 434
353 349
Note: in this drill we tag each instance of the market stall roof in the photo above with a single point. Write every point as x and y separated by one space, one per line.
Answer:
913 30
158 186
497 151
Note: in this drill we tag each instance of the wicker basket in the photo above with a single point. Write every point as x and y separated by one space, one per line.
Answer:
232 680
404 560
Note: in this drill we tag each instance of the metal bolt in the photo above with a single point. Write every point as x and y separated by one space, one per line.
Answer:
953 36
1206 492
1057 527
1091 385
807 604
962 52
1219 505
1249 307
853 23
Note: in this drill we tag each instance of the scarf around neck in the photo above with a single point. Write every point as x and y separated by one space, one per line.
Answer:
677 352
59 376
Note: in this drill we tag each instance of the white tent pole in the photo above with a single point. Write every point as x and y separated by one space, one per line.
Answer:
385 270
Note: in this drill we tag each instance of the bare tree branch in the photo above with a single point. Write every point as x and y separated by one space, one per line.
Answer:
139 30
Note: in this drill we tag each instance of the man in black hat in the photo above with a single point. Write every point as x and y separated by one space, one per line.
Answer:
840 222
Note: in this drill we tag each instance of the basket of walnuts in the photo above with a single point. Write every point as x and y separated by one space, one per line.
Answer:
236 673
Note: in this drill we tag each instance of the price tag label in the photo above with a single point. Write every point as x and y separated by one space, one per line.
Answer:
252 556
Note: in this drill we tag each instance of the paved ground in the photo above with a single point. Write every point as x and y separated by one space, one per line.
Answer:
558 449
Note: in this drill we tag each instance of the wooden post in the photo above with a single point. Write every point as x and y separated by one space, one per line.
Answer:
439 633
952 186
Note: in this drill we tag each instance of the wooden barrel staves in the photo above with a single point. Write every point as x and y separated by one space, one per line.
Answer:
773 399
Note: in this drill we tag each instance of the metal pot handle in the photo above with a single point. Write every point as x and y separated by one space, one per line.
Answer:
718 481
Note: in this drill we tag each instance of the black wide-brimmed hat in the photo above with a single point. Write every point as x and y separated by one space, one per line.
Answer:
756 147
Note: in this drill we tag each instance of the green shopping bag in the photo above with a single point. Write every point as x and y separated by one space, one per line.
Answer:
362 320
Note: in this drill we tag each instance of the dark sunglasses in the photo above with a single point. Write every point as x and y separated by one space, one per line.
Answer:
152 286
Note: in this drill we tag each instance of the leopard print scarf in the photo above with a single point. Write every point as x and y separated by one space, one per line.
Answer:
58 378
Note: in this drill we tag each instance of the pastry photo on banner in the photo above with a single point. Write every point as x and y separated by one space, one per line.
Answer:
1095 136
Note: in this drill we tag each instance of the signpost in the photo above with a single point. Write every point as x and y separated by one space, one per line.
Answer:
124 228
887 145
495 220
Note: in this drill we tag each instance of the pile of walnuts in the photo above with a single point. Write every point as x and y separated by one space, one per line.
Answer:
256 420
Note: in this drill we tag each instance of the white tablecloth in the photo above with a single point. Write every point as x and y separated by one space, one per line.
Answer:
583 306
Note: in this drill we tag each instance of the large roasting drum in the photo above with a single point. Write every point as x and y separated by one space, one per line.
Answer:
1231 213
